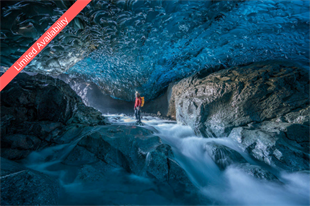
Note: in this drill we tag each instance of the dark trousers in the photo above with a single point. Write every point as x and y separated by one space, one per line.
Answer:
138 114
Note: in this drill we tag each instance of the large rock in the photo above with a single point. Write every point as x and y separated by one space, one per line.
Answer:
35 110
258 172
285 145
224 157
22 186
264 106
213 104
18 146
43 98
134 149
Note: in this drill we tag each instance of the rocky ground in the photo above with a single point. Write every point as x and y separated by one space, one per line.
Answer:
264 106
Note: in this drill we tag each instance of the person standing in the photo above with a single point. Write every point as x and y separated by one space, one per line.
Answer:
137 107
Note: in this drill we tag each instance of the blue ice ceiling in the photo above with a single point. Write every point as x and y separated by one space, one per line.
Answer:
125 46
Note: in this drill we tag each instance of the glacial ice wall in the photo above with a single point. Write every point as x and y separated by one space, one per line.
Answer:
128 45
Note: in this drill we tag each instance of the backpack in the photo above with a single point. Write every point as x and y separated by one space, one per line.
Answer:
142 101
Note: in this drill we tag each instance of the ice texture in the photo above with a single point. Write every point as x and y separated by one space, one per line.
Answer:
128 45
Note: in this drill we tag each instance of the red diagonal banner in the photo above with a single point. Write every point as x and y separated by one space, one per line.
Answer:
39 45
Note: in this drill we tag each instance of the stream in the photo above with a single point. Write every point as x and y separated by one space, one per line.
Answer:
229 187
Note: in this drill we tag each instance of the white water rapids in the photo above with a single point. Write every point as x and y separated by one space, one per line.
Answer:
228 187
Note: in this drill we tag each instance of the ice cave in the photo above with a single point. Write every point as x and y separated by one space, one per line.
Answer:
157 102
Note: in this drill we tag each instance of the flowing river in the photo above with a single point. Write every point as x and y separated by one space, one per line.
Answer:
229 187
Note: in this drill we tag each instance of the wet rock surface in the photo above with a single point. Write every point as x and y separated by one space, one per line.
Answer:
134 149
268 101
284 145
258 172
23 186
224 157
216 103
35 109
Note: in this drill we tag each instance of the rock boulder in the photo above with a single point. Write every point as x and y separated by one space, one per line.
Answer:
213 104
35 110
224 157
134 149
22 186
285 145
